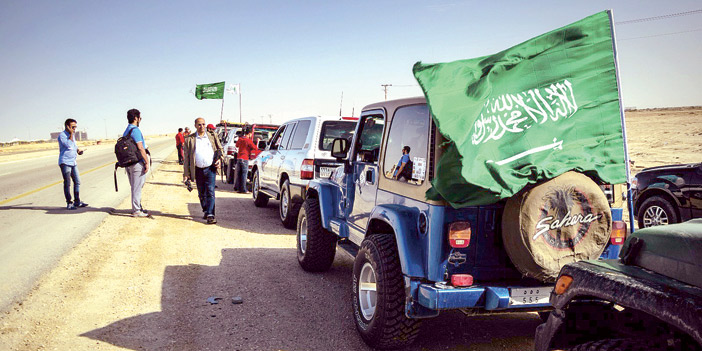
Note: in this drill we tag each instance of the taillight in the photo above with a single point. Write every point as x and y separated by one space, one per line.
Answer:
562 284
461 280
459 234
307 169
231 150
618 233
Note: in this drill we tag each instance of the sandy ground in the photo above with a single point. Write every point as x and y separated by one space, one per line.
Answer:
664 136
143 284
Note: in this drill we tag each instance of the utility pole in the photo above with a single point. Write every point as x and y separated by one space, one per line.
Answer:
385 87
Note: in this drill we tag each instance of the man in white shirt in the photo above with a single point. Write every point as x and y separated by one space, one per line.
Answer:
201 161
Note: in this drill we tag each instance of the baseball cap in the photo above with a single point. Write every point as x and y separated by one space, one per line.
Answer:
210 126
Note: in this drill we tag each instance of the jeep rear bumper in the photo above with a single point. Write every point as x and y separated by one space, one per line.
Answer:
490 298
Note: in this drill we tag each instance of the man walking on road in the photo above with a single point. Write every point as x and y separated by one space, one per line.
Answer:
245 148
68 152
137 172
180 139
203 157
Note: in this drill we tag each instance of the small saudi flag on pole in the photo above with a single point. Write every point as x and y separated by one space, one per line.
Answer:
529 113
210 91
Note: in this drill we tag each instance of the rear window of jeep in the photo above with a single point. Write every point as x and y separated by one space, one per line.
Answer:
335 129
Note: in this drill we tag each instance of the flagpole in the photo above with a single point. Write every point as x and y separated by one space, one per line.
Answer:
630 200
221 113
239 91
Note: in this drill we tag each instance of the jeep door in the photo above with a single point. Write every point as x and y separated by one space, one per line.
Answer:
365 157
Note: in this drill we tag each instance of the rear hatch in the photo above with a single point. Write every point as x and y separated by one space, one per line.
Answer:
324 164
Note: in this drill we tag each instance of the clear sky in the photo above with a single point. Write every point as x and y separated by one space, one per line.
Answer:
94 60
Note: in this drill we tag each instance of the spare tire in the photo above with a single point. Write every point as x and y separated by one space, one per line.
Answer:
562 220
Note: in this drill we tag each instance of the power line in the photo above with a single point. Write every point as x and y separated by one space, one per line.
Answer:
648 19
660 35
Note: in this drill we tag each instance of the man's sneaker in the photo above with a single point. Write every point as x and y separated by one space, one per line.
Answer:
140 214
204 216
70 206
211 220
80 204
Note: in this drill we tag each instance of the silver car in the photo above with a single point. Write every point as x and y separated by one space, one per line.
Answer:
299 150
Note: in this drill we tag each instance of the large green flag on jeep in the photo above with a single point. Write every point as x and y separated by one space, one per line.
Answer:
527 114
210 91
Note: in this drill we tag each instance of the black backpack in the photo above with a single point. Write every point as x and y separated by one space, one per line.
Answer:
407 171
127 153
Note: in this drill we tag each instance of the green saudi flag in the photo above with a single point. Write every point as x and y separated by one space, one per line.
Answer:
527 114
210 91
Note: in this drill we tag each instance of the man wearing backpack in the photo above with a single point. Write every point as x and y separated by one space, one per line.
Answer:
137 172
202 159
404 166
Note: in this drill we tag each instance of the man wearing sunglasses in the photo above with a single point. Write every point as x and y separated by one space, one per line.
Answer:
68 153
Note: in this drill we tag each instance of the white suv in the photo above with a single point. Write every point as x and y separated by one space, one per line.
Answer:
299 150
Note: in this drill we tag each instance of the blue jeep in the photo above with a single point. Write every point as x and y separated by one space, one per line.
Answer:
415 257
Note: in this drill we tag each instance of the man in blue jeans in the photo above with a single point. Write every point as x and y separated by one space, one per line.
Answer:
202 158
68 152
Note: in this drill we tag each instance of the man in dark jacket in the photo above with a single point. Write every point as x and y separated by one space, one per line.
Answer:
202 159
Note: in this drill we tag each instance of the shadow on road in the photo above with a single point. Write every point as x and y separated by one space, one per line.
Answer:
239 213
285 308
109 210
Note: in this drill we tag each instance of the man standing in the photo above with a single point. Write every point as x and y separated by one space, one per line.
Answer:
186 134
137 172
180 139
244 152
203 157
68 152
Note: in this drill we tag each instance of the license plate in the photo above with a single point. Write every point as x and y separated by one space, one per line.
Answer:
529 296
325 172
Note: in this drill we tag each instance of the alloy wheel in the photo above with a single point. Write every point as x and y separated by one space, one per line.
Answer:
655 215
303 235
367 291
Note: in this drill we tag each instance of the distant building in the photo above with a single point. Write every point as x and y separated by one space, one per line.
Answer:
79 136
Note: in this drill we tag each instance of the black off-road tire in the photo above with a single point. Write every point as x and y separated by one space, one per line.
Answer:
388 327
287 216
319 249
260 199
658 207
615 345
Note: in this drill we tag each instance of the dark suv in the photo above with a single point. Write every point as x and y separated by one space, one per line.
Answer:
668 194
649 299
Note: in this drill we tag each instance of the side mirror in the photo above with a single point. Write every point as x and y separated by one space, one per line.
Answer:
340 147
261 144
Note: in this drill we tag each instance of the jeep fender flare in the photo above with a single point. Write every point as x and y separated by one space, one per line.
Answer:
325 194
403 222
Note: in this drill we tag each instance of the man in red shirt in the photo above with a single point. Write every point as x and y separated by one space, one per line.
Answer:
180 139
244 146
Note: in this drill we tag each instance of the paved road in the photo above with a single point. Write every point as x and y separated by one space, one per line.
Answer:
37 229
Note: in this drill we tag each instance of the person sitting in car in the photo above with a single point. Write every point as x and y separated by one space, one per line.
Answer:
404 165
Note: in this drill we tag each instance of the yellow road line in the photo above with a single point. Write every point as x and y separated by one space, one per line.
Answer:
50 185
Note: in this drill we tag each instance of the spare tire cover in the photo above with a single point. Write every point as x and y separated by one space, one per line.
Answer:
562 220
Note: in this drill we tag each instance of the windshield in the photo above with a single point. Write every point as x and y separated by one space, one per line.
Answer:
335 129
